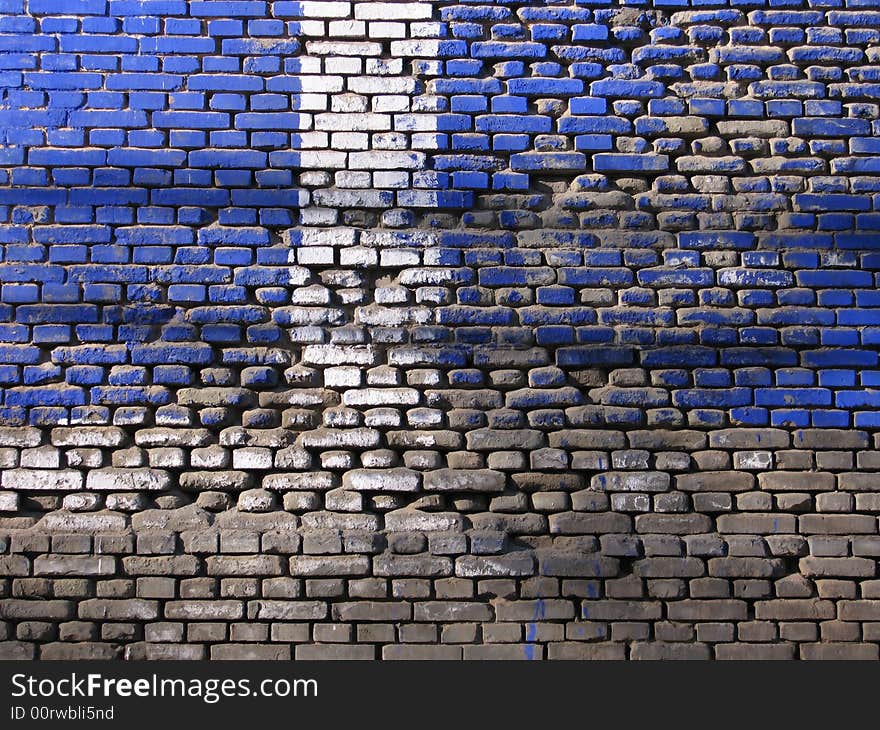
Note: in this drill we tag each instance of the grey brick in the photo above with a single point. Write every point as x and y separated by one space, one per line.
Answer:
658 650
422 651
753 652
313 652
275 610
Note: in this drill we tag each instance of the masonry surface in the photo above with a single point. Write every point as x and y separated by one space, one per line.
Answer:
383 330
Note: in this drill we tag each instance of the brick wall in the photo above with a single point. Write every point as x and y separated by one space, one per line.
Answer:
434 329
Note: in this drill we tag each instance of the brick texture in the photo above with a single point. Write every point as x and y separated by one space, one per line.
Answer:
400 330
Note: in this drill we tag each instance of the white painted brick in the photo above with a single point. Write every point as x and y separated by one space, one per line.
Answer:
424 417
351 141
346 29
390 104
384 375
378 417
351 296
390 141
42 479
312 255
427 48
392 239
318 9
430 103
306 334
349 103
432 295
391 179
379 85
302 65
210 457
252 458
427 30
317 84
312 140
315 294
41 457
322 160
424 67
348 65
352 122
384 66
415 122
344 48
318 216
404 11
423 141
329 237
342 377
375 160
336 355
358 256
311 29
398 258
315 179
351 179
381 396
311 102
387 30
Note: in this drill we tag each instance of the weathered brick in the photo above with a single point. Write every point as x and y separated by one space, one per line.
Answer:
328 334
125 609
286 610
245 565
204 610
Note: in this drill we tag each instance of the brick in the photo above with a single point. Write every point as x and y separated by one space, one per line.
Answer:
659 650
286 610
372 611
452 611
324 652
621 610
796 482
74 565
751 652
204 610
119 609
539 610
715 610
503 652
794 610
22 609
813 567
837 524
327 565
422 651
841 651
250 652
245 565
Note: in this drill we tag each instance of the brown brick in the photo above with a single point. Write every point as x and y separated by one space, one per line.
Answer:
578 651
837 524
792 481
813 567
794 610
755 523
755 652
840 651
712 610
204 610
621 610
658 650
